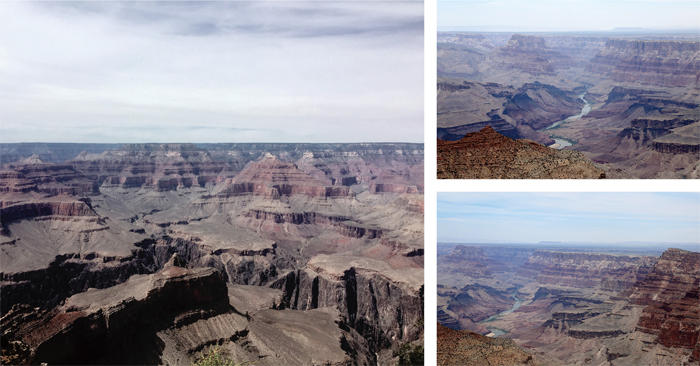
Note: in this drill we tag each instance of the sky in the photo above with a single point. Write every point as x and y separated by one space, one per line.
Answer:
565 15
278 71
568 217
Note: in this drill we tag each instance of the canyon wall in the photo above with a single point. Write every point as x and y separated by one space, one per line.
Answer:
662 63
671 296
586 270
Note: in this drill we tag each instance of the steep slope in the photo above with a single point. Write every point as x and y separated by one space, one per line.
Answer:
171 315
671 295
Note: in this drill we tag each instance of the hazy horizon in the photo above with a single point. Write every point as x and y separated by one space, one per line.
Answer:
569 217
567 15
209 72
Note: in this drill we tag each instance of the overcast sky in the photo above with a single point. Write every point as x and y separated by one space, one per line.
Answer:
211 72
592 217
566 15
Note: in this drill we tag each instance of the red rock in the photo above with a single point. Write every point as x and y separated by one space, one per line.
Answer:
671 293
488 155
273 178
467 348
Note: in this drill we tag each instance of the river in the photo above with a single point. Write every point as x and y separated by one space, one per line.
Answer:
560 143
497 331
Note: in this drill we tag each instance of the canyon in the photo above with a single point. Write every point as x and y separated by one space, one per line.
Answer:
278 253
560 305
642 91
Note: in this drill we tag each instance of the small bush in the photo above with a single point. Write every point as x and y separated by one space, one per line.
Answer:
216 356
411 356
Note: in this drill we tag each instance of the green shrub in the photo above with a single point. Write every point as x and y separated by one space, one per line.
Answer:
411 356
216 356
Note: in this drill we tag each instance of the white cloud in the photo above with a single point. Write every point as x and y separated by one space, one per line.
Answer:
329 72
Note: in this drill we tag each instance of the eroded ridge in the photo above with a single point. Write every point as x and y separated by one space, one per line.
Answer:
299 257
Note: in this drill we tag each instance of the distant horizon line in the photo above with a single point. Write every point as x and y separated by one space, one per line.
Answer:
229 142
571 242
619 30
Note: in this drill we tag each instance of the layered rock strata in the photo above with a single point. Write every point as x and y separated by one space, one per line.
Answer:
662 63
100 324
585 270
671 296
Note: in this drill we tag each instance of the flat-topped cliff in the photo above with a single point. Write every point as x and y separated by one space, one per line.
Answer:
660 63
587 270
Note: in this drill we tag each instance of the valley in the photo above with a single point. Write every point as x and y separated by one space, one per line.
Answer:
562 305
639 118
278 253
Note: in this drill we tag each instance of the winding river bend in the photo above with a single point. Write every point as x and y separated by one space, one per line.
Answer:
496 332
562 143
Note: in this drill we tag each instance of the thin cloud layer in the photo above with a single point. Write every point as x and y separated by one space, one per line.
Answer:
569 217
211 72
565 15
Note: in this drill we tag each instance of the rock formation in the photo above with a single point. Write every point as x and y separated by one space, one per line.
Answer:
517 113
467 348
662 63
585 270
489 155
671 296
321 245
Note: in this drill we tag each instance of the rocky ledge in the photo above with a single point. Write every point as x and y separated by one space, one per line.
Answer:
467 348
102 324
489 155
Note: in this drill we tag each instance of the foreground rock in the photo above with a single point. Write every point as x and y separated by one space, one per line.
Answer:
166 318
470 349
489 155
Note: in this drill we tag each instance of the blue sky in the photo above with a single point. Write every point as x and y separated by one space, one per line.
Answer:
566 15
590 217
278 71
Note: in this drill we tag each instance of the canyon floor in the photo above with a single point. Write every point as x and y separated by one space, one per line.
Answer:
292 254
605 306
630 104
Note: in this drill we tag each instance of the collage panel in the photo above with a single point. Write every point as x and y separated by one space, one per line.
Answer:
523 92
568 278
212 183
538 269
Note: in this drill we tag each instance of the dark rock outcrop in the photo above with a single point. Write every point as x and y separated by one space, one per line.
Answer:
100 325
